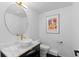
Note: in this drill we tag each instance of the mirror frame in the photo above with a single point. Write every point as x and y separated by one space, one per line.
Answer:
5 19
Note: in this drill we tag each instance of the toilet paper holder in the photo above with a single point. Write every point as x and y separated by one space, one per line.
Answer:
60 42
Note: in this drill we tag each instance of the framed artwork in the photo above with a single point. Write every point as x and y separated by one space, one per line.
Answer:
53 24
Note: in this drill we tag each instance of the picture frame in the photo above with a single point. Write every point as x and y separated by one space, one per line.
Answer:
53 24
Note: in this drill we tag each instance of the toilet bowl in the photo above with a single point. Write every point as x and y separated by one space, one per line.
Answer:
43 50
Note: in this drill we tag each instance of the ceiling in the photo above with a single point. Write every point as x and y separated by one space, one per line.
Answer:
41 7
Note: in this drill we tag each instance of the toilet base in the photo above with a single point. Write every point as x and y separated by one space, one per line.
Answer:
50 55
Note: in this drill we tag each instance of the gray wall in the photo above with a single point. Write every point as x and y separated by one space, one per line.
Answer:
66 32
76 25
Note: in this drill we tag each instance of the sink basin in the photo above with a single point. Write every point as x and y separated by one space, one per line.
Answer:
25 43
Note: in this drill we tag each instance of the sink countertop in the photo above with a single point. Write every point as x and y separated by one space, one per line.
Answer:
16 50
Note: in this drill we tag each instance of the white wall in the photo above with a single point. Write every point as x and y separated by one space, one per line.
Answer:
66 32
32 31
6 37
76 25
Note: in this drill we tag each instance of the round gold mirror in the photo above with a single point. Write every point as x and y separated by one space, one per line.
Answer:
15 18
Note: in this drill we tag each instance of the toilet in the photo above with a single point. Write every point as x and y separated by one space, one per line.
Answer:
44 50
